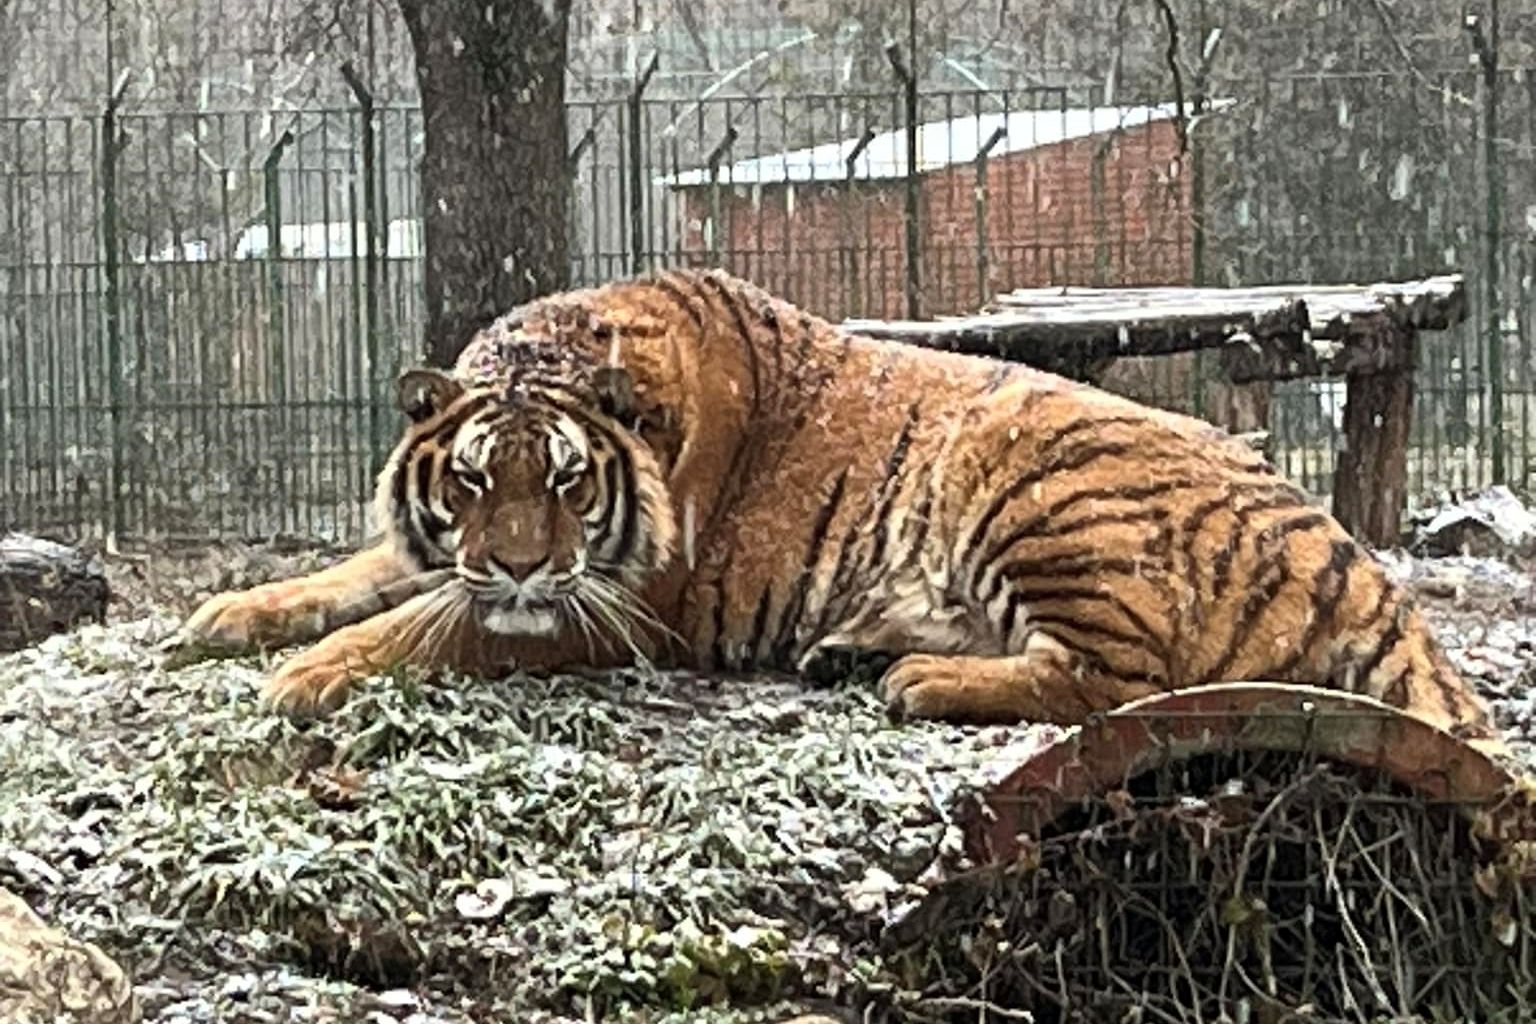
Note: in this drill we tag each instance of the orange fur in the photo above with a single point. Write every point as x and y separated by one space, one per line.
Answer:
1021 545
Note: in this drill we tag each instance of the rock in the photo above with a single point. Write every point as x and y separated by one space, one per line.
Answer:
46 977
46 588
1489 523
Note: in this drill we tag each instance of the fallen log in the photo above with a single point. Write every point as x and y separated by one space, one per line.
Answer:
46 588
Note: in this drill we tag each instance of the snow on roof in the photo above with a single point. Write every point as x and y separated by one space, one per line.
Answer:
939 144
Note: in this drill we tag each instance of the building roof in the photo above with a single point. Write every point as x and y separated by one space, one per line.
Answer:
939 144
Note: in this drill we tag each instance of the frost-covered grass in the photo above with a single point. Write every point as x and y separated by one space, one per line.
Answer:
627 847
568 847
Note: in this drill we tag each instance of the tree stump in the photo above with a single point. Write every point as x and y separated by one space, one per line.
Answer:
46 588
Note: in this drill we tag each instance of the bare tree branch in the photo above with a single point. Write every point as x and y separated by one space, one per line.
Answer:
1173 67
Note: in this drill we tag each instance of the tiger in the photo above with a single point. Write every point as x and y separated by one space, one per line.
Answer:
684 471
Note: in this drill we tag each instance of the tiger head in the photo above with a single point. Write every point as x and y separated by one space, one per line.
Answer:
542 500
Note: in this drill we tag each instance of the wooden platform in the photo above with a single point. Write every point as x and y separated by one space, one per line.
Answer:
1367 334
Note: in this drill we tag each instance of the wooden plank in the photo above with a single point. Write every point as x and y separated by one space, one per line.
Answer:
1081 341
1270 332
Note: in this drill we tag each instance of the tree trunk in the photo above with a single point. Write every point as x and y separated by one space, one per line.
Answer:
46 588
495 186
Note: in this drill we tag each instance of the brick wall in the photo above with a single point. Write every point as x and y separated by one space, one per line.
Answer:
1111 209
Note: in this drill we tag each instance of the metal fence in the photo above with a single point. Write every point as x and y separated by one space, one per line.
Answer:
190 348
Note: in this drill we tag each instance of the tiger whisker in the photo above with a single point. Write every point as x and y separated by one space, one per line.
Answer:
615 616
583 619
633 604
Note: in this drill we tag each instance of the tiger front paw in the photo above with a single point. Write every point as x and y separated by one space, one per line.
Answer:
313 684
267 616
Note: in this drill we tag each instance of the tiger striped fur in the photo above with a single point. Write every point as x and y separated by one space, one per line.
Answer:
685 469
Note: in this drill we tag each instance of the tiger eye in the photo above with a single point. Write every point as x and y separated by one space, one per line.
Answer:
580 491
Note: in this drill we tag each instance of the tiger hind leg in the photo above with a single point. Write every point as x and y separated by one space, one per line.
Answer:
1045 683
299 610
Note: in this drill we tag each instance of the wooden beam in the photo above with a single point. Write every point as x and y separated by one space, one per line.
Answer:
1272 332
1081 338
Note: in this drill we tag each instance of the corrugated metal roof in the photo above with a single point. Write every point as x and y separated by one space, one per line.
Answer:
939 144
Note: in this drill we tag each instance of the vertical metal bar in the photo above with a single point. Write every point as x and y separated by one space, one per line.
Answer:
1486 47
983 271
853 306
913 200
715 223
272 188
111 147
637 167
371 267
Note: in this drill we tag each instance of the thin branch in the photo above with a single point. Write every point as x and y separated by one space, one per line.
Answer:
1173 67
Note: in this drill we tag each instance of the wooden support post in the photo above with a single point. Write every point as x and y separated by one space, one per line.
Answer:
1370 475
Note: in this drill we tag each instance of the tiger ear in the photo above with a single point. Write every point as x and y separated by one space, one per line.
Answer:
422 394
615 392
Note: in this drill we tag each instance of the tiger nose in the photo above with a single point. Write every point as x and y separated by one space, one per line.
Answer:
518 570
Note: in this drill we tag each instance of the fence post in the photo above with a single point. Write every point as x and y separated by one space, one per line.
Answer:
855 297
1486 48
278 365
983 269
371 258
573 195
914 235
637 169
112 143
715 156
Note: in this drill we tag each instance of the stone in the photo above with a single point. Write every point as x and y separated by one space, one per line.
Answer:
47 977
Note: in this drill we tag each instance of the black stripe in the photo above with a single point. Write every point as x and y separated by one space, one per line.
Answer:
716 651
794 604
770 316
1052 593
922 510
1095 629
1330 581
891 486
1055 463
1194 522
838 589
1222 571
630 525
998 378
668 284
807 335
1060 531
1263 587
759 623
610 478
730 298
1066 462
1045 523
1389 639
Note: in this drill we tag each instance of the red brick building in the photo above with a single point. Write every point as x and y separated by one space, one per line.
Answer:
1095 196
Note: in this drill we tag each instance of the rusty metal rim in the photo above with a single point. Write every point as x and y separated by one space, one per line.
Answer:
1101 755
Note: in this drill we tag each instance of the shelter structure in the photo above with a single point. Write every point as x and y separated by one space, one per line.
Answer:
1029 197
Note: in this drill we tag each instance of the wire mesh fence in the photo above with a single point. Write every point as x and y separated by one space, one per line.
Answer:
199 322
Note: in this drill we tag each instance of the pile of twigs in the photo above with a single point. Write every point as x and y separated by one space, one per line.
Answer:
1239 887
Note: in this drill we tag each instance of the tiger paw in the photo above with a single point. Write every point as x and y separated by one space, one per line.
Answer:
312 684
266 616
947 688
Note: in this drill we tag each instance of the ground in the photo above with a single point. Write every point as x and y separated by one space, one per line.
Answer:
569 849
